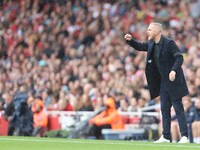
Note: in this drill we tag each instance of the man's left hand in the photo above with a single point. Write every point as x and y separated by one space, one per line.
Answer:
172 75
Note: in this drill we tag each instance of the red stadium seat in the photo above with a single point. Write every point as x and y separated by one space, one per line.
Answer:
53 123
124 119
3 125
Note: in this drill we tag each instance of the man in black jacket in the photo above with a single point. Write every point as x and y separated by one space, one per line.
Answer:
165 77
9 108
22 117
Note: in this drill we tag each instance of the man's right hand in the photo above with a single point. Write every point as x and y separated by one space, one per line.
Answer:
128 37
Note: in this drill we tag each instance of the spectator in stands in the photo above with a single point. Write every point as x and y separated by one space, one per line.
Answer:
130 93
141 103
117 97
133 105
162 15
54 104
109 118
64 105
99 104
196 123
86 103
123 105
47 97
40 119
194 8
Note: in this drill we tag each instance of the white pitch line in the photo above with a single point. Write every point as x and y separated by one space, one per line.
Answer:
92 142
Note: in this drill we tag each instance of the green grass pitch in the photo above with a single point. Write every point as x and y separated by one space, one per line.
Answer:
32 143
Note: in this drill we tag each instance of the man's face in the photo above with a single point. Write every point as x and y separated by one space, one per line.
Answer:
106 107
37 108
151 32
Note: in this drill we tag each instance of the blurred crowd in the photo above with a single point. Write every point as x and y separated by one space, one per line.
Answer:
71 54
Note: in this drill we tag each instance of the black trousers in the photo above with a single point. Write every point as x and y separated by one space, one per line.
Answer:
166 104
96 130
11 129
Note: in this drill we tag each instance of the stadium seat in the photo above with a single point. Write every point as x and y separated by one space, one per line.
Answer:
125 119
3 125
53 123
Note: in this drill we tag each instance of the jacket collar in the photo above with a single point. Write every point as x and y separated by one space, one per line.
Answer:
161 42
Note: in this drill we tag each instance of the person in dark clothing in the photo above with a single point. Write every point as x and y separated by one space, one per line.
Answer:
86 103
22 117
165 77
9 108
196 122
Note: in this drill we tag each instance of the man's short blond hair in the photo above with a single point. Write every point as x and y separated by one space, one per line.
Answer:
158 26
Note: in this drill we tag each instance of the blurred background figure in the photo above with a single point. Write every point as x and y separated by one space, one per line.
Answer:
108 119
9 109
40 119
123 105
54 104
86 103
196 123
64 105
22 117
133 105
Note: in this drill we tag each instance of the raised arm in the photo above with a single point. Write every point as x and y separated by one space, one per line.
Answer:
136 45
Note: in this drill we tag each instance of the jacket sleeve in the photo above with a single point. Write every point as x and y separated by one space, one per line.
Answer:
106 120
97 117
138 45
175 52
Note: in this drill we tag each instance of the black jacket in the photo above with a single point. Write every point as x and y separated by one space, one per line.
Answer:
22 117
170 59
86 108
9 110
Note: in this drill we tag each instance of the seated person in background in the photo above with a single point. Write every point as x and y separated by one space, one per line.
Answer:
86 103
189 109
40 119
64 105
196 123
54 104
98 104
141 103
133 105
109 118
123 105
